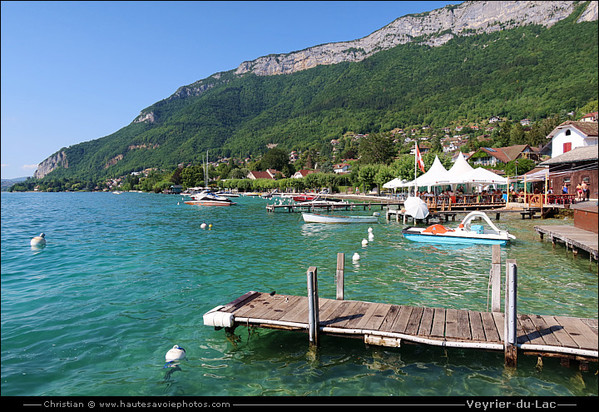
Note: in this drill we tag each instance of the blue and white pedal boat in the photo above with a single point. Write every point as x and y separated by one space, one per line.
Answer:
465 233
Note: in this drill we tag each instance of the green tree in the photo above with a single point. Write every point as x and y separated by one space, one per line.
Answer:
275 158
376 149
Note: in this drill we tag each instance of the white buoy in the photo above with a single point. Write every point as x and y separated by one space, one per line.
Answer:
355 257
370 237
175 354
369 230
39 241
364 242
203 225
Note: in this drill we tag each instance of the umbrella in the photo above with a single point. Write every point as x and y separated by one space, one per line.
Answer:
416 207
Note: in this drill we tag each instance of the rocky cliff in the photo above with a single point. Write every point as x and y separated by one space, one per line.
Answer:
434 28
58 159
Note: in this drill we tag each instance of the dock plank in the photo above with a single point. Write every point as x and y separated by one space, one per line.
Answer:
438 327
426 322
579 332
414 321
476 326
374 316
489 327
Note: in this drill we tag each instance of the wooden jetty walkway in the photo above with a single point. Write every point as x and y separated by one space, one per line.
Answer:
392 325
332 206
572 237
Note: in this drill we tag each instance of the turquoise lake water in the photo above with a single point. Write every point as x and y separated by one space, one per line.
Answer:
125 277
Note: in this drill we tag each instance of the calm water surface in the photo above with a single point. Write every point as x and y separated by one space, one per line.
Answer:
125 277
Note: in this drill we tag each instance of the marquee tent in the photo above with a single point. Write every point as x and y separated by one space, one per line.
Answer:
431 178
480 175
460 173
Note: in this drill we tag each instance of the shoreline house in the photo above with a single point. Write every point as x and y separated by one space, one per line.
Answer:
341 168
268 174
489 156
569 135
573 156
303 173
573 167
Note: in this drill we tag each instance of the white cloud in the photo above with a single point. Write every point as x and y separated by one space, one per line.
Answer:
29 167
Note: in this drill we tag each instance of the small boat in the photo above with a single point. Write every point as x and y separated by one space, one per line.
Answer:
318 218
207 198
227 194
465 233
323 202
304 198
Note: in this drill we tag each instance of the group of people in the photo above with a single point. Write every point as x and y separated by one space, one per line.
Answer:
582 191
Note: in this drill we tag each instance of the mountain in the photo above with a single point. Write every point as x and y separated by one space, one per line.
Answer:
470 61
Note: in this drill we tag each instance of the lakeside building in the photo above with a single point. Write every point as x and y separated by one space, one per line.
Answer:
574 167
570 134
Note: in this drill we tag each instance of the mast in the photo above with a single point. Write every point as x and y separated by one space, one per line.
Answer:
206 171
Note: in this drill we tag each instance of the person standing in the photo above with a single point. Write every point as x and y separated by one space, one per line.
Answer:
585 191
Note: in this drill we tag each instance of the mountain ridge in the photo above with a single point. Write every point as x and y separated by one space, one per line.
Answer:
183 117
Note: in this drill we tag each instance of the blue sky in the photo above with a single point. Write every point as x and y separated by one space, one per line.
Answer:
78 71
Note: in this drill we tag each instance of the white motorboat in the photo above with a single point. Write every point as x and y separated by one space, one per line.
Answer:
207 198
323 202
465 233
318 218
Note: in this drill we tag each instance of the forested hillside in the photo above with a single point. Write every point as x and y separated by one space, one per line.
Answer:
527 72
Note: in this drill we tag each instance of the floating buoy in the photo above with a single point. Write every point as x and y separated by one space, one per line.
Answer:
370 237
203 225
364 242
369 230
210 226
355 257
174 354
39 241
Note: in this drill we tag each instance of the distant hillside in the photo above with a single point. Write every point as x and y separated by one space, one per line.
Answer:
510 63
6 183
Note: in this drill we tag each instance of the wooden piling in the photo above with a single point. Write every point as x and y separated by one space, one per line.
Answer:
339 275
313 316
511 309
495 279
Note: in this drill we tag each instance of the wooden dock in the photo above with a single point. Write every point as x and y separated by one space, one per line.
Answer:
338 206
574 238
446 215
392 325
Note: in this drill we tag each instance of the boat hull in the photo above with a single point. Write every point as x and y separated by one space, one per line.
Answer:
208 203
318 218
462 239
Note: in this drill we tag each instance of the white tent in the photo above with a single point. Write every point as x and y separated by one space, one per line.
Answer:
459 169
480 175
435 174
393 184
460 173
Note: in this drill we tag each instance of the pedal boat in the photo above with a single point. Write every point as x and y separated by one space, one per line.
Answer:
465 233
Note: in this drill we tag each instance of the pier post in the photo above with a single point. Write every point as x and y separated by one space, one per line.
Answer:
510 336
313 316
495 279
339 275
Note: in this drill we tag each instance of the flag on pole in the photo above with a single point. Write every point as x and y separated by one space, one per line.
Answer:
419 159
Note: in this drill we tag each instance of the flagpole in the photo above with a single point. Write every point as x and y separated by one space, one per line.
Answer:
415 164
